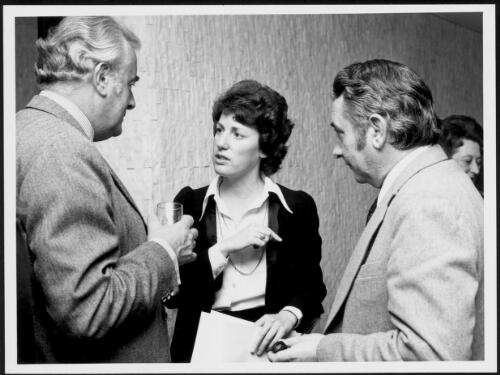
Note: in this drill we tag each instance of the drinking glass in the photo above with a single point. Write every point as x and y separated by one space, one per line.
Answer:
169 212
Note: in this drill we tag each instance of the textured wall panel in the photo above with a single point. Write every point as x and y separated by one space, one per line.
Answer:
186 61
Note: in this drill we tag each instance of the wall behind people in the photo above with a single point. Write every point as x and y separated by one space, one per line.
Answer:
186 61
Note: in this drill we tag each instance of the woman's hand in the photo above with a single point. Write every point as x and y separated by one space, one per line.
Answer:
272 327
255 235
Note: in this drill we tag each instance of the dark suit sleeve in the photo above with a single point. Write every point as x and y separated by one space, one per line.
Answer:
198 286
309 287
92 286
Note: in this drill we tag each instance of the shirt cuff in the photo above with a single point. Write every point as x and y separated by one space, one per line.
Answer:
217 261
171 253
295 311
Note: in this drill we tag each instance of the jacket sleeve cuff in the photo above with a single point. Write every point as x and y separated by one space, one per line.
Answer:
171 253
295 311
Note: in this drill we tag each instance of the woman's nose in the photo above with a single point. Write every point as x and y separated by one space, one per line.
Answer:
221 140
474 167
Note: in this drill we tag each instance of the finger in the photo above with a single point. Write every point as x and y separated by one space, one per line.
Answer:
260 236
282 356
187 220
289 341
258 243
279 335
187 258
190 257
267 339
262 320
260 334
275 236
194 231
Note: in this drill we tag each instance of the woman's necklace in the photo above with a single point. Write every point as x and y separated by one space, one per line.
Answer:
263 248
252 271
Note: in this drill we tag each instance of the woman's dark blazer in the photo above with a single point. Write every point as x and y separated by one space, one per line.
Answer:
294 276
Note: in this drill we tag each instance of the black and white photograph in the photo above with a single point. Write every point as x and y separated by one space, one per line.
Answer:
250 188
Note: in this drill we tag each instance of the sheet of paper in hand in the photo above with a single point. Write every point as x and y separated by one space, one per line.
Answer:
223 338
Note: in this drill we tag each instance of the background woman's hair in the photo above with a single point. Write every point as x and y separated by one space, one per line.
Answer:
456 128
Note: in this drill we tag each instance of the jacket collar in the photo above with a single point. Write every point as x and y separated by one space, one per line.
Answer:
73 110
398 169
269 187
48 105
433 155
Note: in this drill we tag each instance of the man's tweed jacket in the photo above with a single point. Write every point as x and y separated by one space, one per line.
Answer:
98 281
413 287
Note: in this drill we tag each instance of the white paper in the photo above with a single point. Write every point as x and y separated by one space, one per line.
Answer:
224 338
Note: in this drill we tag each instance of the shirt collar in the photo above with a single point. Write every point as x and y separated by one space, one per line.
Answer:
397 170
269 187
73 110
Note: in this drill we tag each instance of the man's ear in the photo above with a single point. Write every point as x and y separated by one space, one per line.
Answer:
101 78
378 128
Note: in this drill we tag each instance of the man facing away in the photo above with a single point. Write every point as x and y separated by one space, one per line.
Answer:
100 272
413 288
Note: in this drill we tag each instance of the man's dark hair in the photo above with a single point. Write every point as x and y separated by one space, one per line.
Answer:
393 91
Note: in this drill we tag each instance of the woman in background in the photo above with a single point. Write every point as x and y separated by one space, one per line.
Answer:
258 247
462 140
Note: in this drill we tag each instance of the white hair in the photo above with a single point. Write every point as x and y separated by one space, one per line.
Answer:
77 44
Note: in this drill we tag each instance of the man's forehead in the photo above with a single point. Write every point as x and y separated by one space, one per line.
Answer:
338 106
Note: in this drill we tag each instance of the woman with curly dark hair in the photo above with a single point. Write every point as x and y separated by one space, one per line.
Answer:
462 140
259 247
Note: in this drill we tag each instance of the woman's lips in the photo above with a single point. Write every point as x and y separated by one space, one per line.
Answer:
220 157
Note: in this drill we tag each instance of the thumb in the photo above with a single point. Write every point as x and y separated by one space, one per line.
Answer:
152 220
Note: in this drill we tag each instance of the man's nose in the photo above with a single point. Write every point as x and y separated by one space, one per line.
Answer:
131 102
337 151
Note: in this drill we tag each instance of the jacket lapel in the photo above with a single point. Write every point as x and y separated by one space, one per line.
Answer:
210 223
126 194
355 261
430 157
271 247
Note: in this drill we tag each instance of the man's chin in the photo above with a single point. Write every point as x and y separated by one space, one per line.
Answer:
117 131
